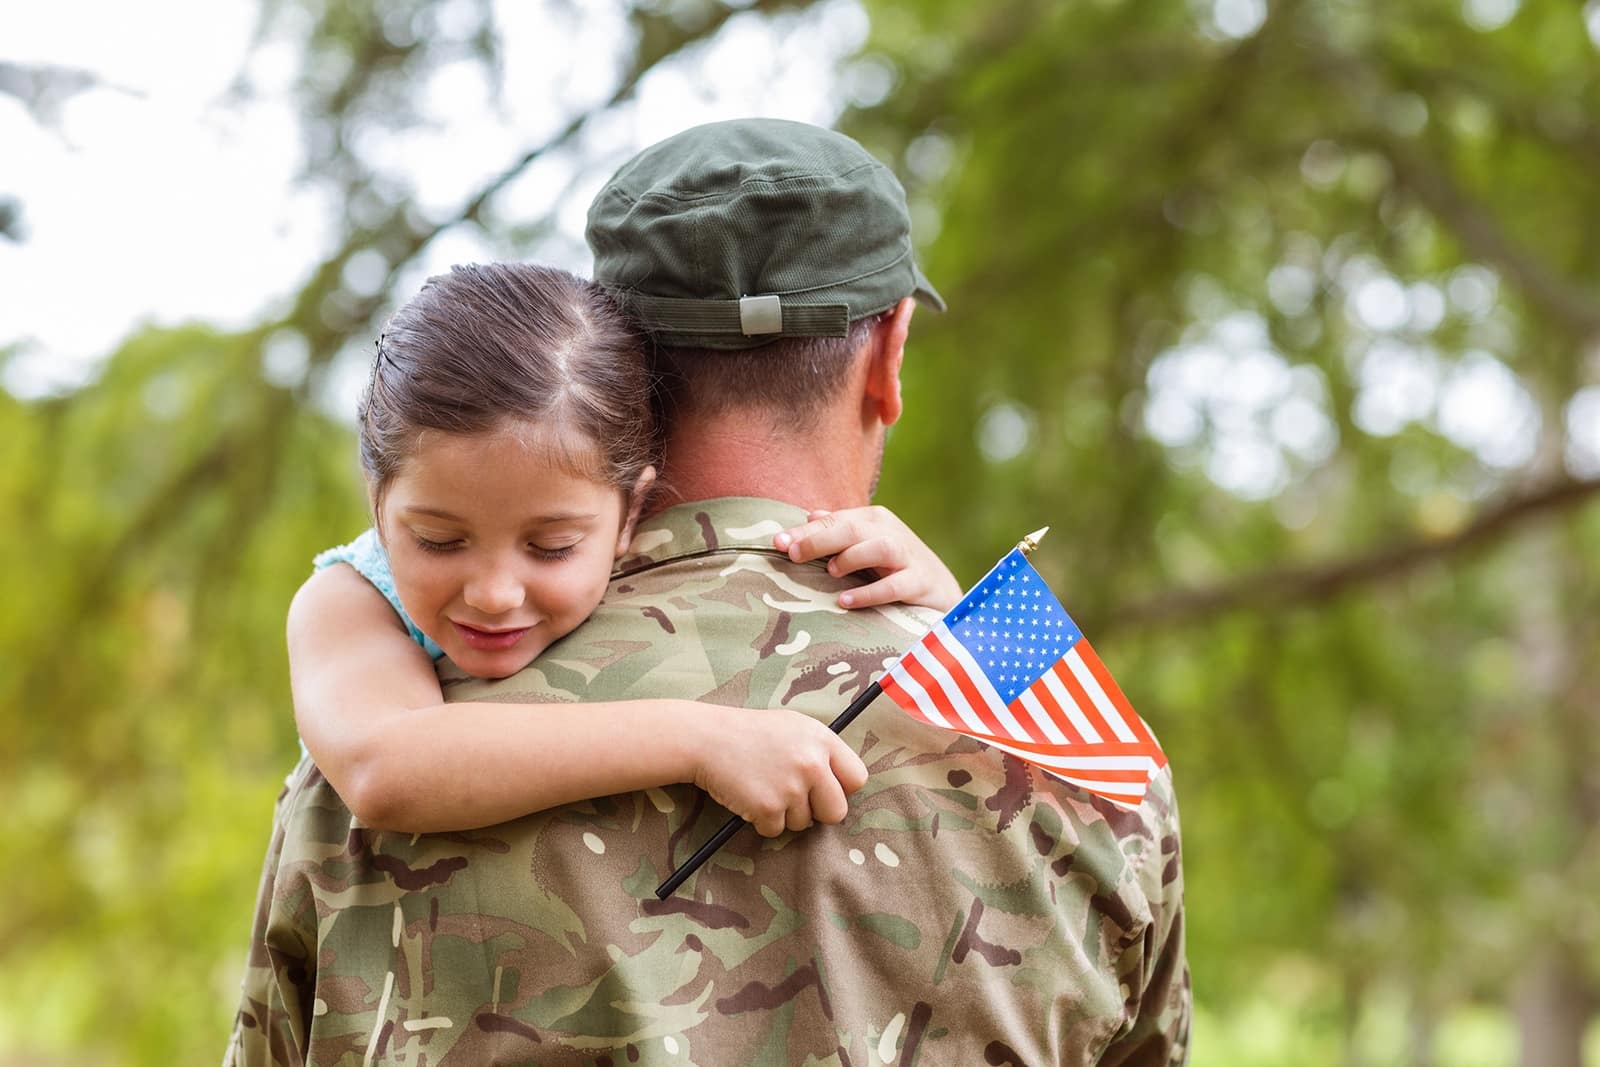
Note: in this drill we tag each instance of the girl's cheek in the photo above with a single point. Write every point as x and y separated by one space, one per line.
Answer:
419 574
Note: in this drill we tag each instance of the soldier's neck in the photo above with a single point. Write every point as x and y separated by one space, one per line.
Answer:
823 466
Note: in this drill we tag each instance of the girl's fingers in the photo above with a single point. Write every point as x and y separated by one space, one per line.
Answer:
883 591
848 769
820 537
800 816
827 532
828 803
873 539
877 553
770 825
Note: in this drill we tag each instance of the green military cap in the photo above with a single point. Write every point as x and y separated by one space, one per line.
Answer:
733 234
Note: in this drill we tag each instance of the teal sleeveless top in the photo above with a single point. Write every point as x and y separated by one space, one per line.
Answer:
367 556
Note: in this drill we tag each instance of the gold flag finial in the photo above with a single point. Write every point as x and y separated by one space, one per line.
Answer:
1031 542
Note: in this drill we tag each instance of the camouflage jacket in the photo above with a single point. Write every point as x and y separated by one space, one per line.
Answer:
968 911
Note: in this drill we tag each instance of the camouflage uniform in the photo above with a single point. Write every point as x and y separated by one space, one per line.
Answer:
968 911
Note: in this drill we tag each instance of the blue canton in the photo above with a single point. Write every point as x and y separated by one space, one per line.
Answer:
1013 625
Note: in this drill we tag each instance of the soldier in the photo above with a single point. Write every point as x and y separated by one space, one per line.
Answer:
968 909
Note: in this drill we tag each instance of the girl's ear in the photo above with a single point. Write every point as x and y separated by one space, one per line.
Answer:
636 498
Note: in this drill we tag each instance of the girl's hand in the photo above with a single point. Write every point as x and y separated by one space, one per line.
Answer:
777 769
873 538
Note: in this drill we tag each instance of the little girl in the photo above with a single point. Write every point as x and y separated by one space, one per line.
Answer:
506 438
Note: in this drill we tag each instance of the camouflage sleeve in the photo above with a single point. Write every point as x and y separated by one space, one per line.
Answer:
1157 976
273 1018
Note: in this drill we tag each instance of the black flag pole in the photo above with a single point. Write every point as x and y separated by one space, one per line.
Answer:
846 717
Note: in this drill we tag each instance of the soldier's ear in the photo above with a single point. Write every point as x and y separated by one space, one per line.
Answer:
635 507
887 350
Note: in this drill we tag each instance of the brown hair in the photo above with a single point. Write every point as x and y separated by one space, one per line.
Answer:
486 344
792 377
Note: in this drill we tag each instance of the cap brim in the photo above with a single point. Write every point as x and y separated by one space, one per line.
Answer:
925 292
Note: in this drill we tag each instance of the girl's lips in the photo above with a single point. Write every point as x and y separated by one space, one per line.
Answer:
489 640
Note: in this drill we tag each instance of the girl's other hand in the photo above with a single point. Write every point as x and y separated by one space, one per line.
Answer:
777 769
873 539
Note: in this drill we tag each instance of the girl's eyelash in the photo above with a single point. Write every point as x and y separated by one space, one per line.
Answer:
554 555
435 546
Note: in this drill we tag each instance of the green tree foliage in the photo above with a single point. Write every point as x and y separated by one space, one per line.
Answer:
1372 659
1281 315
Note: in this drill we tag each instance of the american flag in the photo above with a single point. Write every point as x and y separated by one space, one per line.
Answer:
1009 667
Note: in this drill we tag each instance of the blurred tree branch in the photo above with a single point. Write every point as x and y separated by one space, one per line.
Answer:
43 87
47 667
401 235
1301 586
1573 306
10 218
1424 176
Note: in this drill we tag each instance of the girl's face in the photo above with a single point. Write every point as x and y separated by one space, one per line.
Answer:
496 550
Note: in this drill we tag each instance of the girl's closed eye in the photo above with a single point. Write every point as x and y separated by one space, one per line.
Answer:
553 555
436 546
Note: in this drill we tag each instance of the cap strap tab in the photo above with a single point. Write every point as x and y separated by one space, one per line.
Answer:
750 316
760 314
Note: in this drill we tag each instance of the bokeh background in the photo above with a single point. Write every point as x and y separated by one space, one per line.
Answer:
1283 315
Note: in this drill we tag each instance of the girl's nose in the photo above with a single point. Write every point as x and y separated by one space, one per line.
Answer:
494 592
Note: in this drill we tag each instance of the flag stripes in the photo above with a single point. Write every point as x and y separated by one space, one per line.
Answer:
1068 717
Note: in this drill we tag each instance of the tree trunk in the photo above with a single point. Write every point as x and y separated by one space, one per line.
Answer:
1420 1031
1554 997
1354 1000
1554 1003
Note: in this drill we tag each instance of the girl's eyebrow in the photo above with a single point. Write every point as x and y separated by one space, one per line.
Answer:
564 516
438 513
537 520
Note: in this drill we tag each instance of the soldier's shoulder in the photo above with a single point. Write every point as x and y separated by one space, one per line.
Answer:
992 820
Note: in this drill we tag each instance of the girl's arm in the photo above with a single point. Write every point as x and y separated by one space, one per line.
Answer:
369 708
873 538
